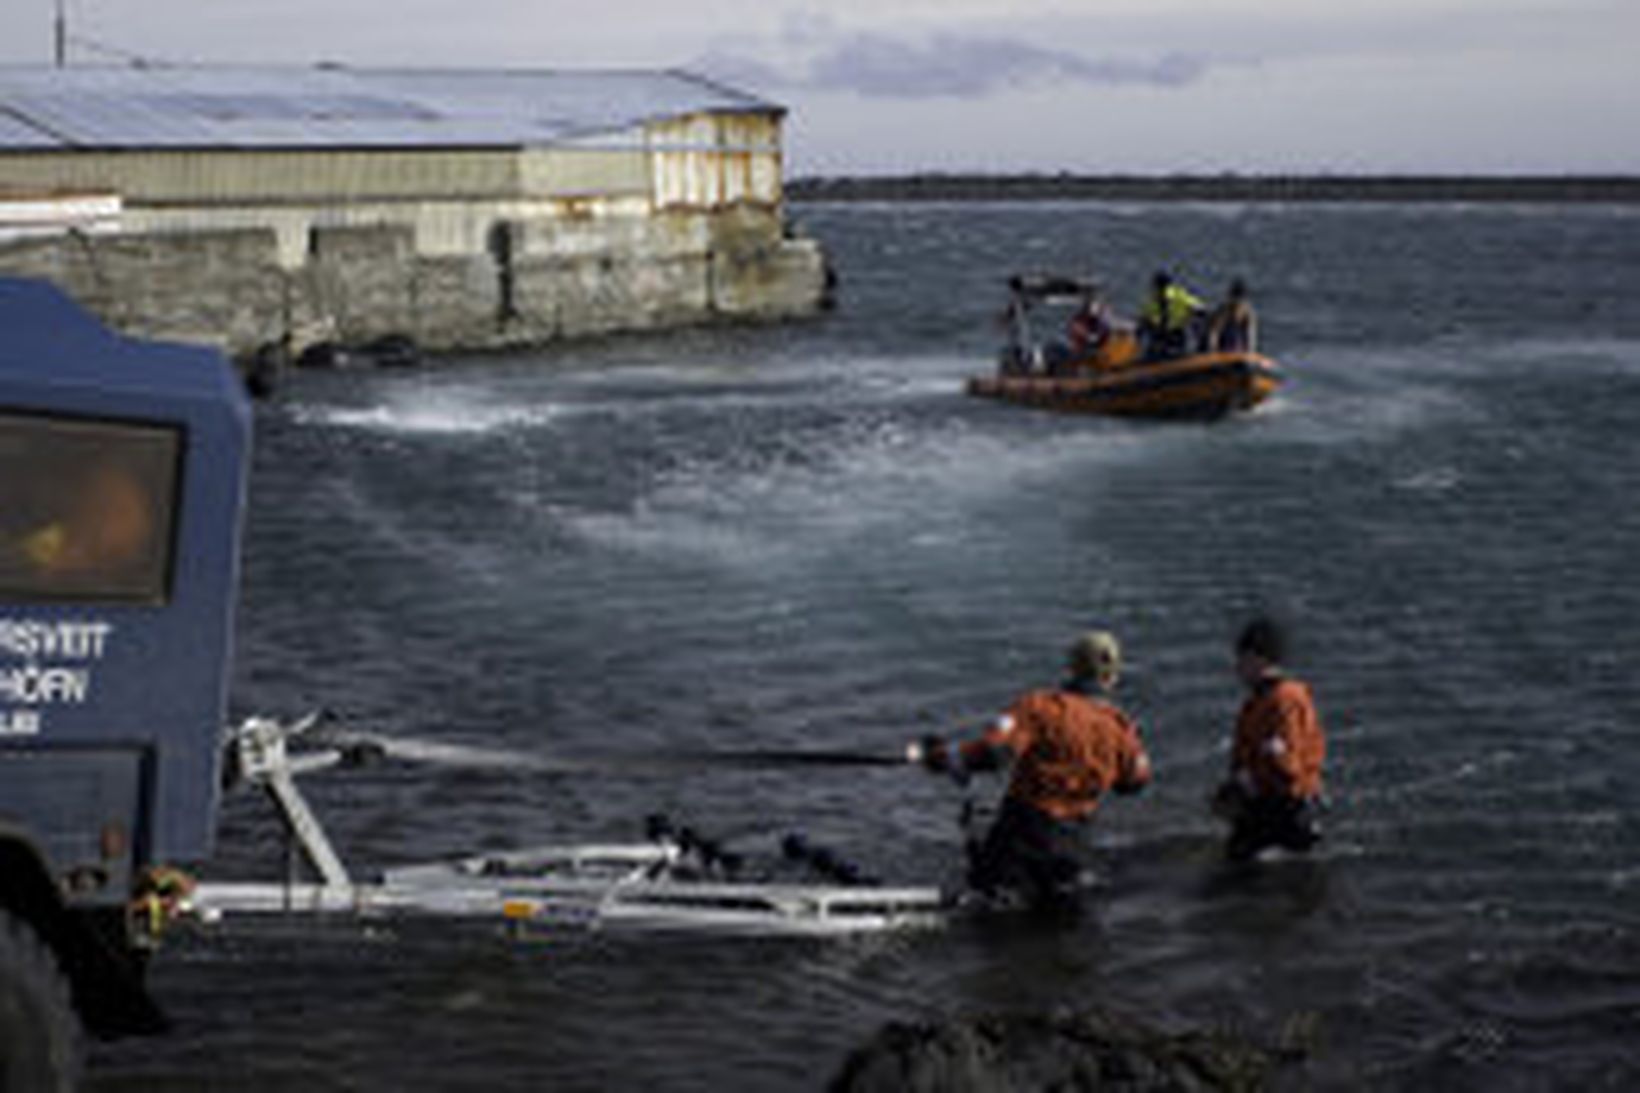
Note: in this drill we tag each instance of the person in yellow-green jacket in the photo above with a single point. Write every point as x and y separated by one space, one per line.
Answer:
1168 316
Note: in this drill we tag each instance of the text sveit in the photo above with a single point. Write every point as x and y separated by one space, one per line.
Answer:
55 668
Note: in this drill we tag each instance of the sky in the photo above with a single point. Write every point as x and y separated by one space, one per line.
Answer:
1083 86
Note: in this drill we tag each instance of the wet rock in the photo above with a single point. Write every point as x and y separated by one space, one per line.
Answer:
1086 1050
393 351
263 371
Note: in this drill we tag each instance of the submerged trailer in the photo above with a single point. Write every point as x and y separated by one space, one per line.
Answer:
123 467
671 881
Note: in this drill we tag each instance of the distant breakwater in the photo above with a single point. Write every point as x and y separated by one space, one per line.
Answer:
1609 189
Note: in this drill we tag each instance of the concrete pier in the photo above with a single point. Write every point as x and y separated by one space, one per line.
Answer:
539 281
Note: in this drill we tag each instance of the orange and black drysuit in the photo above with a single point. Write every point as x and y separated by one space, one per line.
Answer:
1275 769
1065 748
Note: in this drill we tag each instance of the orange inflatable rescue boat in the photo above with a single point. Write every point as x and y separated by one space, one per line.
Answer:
1106 373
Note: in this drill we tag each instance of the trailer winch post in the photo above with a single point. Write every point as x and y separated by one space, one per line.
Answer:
259 746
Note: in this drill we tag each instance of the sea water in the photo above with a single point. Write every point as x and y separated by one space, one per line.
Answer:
807 536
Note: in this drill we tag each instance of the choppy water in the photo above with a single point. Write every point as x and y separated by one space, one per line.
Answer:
808 536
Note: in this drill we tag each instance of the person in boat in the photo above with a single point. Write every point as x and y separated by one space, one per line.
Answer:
1233 326
1168 316
1016 356
1273 796
1064 748
1089 327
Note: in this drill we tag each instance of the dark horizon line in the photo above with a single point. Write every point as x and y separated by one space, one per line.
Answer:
1223 186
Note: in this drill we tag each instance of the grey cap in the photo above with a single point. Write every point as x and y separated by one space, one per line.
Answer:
1096 655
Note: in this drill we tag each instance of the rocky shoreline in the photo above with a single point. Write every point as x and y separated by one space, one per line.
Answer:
1558 189
1086 1049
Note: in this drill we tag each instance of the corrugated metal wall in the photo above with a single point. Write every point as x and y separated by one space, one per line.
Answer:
700 161
218 176
708 161
584 172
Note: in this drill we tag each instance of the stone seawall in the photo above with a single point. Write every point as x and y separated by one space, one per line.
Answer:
537 281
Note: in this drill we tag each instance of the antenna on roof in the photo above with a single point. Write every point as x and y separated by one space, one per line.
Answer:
61 28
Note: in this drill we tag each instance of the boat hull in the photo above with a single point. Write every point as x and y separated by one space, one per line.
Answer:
1204 386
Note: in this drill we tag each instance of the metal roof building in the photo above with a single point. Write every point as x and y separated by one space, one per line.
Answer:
127 108
292 147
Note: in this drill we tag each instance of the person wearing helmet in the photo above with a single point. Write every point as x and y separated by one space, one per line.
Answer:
1064 748
1273 796
1167 317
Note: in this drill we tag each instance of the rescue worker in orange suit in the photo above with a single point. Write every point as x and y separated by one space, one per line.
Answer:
1168 316
1273 796
1064 747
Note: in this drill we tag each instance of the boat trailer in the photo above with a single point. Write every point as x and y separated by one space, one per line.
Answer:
673 880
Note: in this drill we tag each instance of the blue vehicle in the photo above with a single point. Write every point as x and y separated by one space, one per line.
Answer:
123 469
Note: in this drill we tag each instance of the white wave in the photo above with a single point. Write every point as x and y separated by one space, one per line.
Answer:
1430 480
433 414
823 383
880 476
1342 395
915 378
1587 355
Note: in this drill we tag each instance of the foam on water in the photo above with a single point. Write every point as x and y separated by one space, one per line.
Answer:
431 412
873 473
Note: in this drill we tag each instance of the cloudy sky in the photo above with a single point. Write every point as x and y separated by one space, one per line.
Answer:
882 86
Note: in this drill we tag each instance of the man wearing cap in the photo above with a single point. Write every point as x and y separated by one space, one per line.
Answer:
1273 794
1065 748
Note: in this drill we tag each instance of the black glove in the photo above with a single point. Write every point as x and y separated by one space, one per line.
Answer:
934 752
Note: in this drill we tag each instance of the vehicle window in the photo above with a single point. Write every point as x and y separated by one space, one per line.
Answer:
86 509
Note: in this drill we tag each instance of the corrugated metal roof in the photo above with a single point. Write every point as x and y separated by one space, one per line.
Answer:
268 107
17 133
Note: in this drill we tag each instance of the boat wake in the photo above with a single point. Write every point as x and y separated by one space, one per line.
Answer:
456 412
